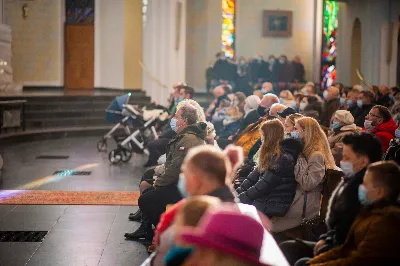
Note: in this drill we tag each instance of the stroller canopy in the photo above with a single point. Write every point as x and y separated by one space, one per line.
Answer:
118 102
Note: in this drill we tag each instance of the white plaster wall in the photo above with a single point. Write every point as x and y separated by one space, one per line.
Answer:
164 64
249 40
109 44
375 17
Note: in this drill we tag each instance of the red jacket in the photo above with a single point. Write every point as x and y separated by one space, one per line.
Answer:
385 132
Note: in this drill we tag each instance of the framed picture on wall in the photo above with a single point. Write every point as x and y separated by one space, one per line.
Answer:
277 23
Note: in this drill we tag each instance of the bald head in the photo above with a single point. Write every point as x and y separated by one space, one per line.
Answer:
266 87
268 100
275 108
333 93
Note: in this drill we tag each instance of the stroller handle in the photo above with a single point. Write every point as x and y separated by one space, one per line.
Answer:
113 112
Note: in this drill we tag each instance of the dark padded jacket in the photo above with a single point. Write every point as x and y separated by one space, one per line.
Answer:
192 136
273 192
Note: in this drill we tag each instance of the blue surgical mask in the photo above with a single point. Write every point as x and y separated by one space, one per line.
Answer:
397 133
335 125
359 103
281 100
173 125
295 134
177 252
362 196
391 97
182 186
349 102
342 101
223 58
228 117
347 168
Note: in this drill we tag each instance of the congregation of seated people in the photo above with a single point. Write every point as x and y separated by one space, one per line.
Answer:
317 170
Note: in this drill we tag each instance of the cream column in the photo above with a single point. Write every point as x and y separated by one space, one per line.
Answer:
163 60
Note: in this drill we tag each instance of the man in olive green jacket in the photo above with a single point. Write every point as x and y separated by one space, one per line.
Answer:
190 133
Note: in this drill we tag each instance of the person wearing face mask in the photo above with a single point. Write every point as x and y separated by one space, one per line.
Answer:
258 72
250 111
152 204
359 150
385 98
287 99
379 122
330 106
393 152
342 125
374 237
298 70
284 70
248 137
224 70
363 105
231 124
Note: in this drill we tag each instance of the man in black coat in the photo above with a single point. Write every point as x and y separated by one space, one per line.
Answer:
359 150
224 71
361 110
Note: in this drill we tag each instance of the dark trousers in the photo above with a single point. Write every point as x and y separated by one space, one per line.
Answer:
157 148
148 176
154 201
294 250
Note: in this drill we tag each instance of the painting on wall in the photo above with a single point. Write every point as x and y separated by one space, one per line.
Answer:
277 23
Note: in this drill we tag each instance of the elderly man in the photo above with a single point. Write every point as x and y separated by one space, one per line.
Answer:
267 87
331 105
153 202
250 135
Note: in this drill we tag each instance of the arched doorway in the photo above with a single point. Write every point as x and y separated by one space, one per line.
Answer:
355 52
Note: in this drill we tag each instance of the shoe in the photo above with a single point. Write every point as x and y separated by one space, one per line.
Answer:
144 231
137 216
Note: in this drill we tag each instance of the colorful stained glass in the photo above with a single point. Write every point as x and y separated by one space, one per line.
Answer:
329 48
228 27
79 11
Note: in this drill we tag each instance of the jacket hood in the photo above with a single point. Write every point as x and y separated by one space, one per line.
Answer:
389 127
292 146
198 129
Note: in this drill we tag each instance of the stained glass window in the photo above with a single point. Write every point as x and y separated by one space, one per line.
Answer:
79 11
228 27
329 48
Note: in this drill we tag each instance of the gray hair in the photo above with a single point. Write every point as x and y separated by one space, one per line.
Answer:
189 113
200 112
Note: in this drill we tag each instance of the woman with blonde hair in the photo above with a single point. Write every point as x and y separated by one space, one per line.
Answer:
309 172
271 187
290 121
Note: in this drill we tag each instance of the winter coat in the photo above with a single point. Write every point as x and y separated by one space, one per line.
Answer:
359 114
393 153
385 100
374 239
336 140
309 175
192 136
272 192
230 128
224 70
342 210
298 72
249 119
328 109
385 132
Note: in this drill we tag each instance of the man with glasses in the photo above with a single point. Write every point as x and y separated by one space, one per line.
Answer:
380 123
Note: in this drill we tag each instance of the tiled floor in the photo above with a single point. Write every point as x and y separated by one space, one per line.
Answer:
78 235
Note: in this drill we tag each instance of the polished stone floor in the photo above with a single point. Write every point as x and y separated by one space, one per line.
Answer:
78 235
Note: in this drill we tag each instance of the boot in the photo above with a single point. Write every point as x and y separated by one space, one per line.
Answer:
137 216
144 231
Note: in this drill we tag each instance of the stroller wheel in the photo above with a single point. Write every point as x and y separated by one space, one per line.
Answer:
102 145
126 155
115 156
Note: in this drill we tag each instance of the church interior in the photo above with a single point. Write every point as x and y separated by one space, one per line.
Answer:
87 88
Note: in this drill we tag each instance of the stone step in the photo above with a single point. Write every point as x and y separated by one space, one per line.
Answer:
64 113
65 122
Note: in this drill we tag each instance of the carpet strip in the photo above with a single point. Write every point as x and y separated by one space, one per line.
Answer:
49 197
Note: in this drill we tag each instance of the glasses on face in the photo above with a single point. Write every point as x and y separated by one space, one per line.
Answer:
373 115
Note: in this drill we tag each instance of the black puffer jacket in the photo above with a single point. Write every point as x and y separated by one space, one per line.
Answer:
393 153
273 192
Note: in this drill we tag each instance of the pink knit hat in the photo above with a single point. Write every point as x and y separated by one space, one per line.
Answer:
228 232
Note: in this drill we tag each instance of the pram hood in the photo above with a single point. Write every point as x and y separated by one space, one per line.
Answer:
118 103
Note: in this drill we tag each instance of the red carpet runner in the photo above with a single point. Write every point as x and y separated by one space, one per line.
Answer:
48 197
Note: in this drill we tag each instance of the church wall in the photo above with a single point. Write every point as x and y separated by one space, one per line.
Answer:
375 17
37 41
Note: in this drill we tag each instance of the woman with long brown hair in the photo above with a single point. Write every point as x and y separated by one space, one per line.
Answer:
271 187
310 170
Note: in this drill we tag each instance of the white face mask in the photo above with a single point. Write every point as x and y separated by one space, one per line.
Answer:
368 125
302 106
347 168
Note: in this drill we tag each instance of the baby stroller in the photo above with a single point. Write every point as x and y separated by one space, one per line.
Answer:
143 129
116 113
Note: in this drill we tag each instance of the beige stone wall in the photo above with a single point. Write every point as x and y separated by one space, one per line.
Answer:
37 41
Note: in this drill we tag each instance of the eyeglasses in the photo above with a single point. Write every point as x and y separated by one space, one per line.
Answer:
373 115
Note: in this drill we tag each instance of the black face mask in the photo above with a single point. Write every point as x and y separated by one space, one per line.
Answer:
261 110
